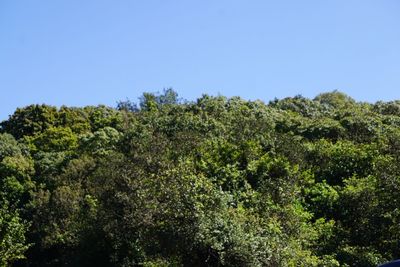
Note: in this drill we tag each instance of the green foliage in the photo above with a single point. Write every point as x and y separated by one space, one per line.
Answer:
335 99
102 116
215 182
30 120
336 161
12 234
74 118
101 141
55 139
9 146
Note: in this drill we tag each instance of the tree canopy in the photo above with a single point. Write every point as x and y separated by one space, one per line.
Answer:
212 182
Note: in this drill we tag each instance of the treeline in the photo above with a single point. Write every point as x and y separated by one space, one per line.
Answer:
214 182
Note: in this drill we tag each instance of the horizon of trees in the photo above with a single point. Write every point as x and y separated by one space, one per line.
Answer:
212 182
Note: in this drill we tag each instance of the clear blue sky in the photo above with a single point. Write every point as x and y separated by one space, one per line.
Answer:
77 53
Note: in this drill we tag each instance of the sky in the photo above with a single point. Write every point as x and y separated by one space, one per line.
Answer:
77 53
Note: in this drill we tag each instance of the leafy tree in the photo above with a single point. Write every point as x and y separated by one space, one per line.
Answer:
213 182
30 120
12 234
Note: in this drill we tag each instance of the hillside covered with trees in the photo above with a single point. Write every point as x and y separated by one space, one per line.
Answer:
213 182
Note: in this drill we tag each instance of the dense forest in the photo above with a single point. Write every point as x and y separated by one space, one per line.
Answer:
212 182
